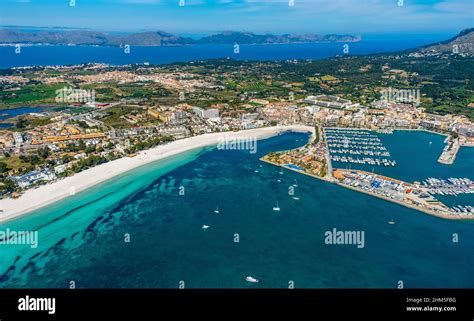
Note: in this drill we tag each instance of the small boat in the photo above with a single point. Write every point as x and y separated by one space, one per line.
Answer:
217 210
256 171
296 198
281 171
251 279
279 180
205 227
295 184
391 222
276 208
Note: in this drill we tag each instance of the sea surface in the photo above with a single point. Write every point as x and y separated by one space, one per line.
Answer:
144 228
68 55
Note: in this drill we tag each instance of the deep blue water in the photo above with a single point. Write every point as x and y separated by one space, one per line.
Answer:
66 55
82 238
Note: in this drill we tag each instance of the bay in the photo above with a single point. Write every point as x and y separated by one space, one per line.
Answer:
83 238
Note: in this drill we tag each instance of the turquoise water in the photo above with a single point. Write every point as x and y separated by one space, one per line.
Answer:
81 239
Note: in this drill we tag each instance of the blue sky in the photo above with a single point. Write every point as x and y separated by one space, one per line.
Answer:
260 16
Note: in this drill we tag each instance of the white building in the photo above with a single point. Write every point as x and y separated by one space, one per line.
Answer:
60 169
18 137
33 177
80 156
206 113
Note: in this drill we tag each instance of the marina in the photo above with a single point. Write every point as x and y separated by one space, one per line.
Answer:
400 192
342 143
156 215
451 186
360 174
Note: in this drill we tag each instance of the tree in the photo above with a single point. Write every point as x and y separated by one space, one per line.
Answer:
43 152
8 186
3 167
67 158
20 123
90 149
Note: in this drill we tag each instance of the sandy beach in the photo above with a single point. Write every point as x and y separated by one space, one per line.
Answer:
34 199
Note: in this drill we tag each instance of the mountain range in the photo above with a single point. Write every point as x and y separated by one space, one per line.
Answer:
159 38
463 43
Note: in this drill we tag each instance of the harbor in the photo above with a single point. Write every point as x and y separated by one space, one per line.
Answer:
419 197
339 144
157 213
357 147
450 151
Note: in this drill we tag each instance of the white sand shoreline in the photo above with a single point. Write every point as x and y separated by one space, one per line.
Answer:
44 195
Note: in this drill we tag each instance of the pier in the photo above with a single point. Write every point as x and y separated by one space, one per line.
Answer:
400 192
450 151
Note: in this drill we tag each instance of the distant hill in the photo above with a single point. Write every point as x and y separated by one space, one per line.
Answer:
251 38
158 38
464 43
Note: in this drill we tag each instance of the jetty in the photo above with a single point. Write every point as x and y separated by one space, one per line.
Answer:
450 151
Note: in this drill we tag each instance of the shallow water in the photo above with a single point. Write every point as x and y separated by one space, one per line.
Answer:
84 238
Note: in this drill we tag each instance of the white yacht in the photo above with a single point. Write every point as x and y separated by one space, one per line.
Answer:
276 208
251 279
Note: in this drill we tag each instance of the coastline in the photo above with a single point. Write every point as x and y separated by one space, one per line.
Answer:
420 209
334 181
34 199
330 179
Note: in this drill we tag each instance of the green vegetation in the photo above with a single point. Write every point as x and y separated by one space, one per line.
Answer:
14 163
30 95
316 131
152 142
446 85
88 162
115 115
